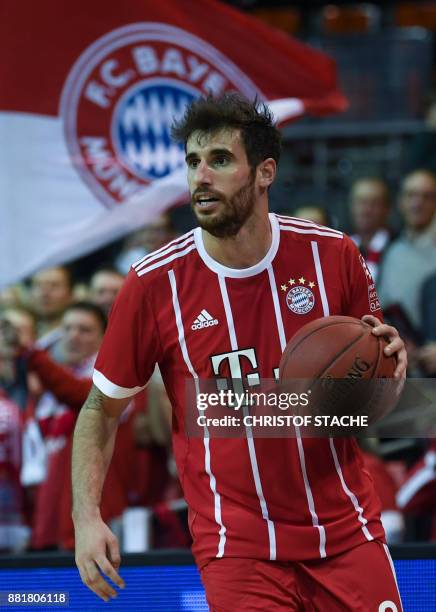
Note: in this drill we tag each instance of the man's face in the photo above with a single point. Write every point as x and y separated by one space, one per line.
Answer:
50 292
82 335
221 182
369 206
104 289
418 200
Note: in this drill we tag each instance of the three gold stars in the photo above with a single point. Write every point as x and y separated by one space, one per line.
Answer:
292 281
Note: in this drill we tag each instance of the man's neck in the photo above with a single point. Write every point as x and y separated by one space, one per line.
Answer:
246 248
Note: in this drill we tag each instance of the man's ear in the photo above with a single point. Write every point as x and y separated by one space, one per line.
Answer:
266 172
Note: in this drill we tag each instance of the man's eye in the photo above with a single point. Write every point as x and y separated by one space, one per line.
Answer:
221 161
193 163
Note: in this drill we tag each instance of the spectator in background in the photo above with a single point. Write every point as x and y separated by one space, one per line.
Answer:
104 286
14 532
417 495
50 293
370 208
428 309
83 326
146 240
317 214
22 324
386 488
411 259
421 151
8 342
138 474
426 354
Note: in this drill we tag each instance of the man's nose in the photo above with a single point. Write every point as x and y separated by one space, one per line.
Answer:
72 335
202 174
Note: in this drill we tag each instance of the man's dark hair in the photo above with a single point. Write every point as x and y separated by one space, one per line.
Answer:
90 308
259 134
106 269
373 179
427 171
64 269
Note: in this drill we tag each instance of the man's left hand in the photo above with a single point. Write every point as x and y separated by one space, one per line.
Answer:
395 344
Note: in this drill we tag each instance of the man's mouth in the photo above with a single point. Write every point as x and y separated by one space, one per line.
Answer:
205 202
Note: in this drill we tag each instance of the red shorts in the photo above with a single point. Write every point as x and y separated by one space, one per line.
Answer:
359 580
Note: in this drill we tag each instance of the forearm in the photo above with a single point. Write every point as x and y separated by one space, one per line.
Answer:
93 444
65 386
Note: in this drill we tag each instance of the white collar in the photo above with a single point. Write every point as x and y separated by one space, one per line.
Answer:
222 270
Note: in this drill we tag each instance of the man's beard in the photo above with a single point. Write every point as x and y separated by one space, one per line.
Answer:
235 212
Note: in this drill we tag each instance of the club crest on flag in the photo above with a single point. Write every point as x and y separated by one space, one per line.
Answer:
122 96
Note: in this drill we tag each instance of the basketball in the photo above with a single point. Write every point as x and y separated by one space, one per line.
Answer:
338 347
341 361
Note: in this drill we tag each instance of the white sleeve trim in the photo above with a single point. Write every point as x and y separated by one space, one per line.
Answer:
111 389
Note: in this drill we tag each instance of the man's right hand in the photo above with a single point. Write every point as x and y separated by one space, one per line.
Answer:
98 557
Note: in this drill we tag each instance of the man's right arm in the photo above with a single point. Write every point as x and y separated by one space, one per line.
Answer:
94 438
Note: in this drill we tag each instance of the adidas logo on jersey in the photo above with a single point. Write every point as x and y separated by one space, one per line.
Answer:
204 320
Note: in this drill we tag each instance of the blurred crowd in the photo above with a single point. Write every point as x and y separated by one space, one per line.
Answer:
50 331
51 327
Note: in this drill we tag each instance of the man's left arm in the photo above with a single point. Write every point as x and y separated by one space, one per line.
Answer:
362 302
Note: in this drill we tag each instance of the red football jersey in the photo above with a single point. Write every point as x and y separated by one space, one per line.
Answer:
267 498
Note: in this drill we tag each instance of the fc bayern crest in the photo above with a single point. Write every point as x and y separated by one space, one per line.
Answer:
123 94
300 299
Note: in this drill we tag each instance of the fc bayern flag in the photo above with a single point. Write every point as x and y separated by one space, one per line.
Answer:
89 91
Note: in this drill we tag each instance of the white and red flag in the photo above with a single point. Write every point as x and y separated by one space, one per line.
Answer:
88 93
